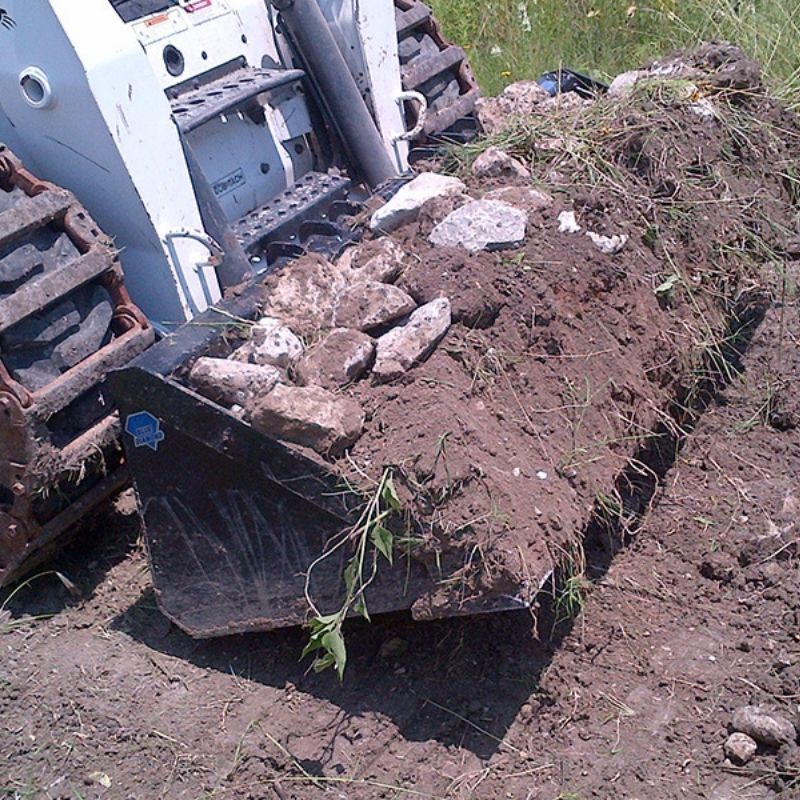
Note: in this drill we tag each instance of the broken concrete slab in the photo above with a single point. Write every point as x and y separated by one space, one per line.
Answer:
610 245
308 416
369 304
405 205
303 294
496 163
379 260
339 359
481 225
232 383
408 344
568 223
271 343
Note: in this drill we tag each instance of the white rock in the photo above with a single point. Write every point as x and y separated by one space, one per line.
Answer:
703 108
481 225
608 244
405 205
412 342
309 416
623 84
496 163
232 383
379 260
740 748
271 343
567 222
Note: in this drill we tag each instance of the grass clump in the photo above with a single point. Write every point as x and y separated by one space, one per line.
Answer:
510 40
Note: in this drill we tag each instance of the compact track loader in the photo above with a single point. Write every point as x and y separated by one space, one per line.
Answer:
213 140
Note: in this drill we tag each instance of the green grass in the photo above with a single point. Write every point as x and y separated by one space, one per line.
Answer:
510 40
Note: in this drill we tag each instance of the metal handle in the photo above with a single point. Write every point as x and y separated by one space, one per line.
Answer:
216 253
422 102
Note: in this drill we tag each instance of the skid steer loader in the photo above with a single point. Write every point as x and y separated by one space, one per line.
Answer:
214 140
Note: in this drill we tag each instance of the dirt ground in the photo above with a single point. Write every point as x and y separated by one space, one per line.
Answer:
622 680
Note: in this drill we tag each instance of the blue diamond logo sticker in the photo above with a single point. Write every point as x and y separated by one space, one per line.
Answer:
145 430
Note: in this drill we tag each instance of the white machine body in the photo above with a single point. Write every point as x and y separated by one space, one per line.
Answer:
88 99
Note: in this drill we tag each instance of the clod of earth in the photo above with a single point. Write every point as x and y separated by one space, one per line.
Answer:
231 382
496 163
481 225
406 204
271 343
341 358
369 304
530 200
740 748
404 346
764 724
308 416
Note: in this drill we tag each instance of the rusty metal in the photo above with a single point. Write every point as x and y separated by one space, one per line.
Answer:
47 485
413 19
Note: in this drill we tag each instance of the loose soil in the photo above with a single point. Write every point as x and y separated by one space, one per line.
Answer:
563 362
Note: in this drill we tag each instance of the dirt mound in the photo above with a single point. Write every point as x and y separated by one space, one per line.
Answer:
570 353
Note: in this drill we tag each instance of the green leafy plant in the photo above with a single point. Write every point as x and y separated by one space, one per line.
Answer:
373 540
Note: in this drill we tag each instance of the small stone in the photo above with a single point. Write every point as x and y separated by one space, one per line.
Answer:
567 222
740 748
541 475
341 358
405 205
370 304
404 346
623 84
271 344
523 197
496 163
232 383
610 245
379 260
764 724
309 416
481 225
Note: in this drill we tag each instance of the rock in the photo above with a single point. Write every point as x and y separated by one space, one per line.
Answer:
412 342
405 205
434 211
230 382
523 197
623 84
740 748
302 295
271 343
610 245
309 416
369 305
567 222
496 163
764 724
521 99
341 358
481 225
379 260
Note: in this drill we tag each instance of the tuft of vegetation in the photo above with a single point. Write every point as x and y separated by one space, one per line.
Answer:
511 40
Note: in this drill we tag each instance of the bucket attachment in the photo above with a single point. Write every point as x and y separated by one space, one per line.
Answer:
234 519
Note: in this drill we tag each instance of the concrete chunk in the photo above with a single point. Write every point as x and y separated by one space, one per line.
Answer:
405 205
230 382
404 346
369 304
271 343
481 225
309 416
379 260
341 358
496 163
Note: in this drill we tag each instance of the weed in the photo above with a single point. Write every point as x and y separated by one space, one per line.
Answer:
7 624
326 638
